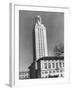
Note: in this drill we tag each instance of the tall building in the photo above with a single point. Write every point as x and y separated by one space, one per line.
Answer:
39 39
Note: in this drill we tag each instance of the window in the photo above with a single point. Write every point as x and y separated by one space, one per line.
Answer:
61 75
63 64
57 70
53 65
49 71
60 70
45 65
60 64
53 71
56 65
42 72
46 72
49 65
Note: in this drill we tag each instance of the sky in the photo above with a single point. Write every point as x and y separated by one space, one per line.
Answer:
54 23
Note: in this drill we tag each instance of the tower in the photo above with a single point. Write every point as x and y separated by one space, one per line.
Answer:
39 39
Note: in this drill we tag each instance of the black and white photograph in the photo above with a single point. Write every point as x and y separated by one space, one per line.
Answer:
41 44
36 44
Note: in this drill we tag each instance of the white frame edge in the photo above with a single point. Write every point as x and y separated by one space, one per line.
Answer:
11 46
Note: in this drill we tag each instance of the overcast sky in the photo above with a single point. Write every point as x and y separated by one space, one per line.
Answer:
54 23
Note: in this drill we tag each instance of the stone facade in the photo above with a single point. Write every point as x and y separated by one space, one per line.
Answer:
50 67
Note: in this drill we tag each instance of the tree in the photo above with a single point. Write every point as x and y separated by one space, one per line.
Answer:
59 49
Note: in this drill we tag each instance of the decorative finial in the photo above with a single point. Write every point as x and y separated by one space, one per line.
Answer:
38 19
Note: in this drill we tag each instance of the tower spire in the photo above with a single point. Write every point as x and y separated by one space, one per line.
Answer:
38 19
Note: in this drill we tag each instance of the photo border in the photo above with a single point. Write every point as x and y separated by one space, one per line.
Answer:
14 45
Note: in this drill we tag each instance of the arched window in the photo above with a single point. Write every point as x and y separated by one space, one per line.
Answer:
49 65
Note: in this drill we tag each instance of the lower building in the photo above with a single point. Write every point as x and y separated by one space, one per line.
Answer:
48 67
24 75
32 70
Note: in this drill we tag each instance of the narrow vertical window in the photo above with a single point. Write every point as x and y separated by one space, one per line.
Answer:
53 65
45 65
49 65
56 65
60 64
